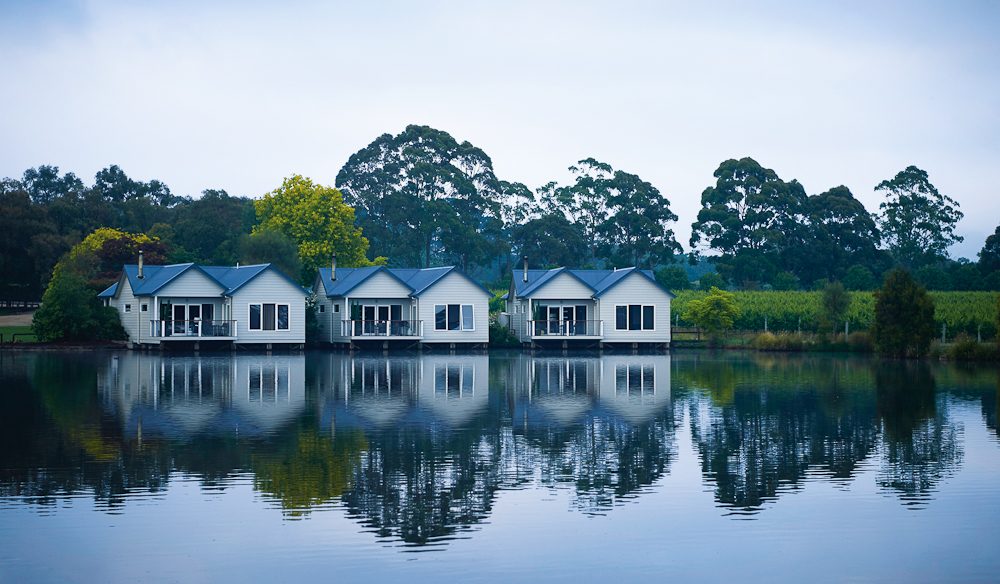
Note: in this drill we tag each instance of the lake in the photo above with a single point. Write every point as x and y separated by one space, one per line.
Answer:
513 467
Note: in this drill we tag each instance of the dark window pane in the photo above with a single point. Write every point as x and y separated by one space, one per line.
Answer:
439 317
621 317
634 317
255 317
269 317
453 317
647 318
282 317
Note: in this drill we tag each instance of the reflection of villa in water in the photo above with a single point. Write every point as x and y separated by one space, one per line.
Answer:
182 396
564 389
376 392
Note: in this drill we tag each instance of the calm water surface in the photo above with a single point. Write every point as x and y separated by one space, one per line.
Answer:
509 467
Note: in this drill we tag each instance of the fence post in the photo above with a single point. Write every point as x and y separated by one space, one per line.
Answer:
944 331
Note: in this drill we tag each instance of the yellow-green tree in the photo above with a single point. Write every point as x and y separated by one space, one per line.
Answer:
316 218
714 313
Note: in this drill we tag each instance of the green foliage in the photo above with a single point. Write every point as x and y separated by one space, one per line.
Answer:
966 348
917 222
497 301
423 198
271 246
859 277
71 311
501 336
932 277
745 217
673 278
715 312
711 280
960 311
834 303
989 256
832 232
785 281
904 317
316 218
550 241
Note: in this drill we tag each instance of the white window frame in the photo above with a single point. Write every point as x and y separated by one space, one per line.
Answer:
261 327
642 309
322 307
128 307
461 320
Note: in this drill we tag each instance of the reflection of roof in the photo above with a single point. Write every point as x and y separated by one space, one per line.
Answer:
455 411
228 278
598 281
417 281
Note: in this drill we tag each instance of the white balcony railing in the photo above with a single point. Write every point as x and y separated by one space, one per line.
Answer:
192 328
382 328
566 328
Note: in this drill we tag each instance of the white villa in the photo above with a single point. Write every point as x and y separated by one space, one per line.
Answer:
237 305
417 307
624 306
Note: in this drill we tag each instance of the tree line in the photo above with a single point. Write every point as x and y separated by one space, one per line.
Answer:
421 198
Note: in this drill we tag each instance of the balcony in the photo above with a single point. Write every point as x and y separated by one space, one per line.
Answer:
566 328
189 330
385 329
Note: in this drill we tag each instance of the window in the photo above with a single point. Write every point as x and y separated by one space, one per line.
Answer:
128 308
269 317
647 318
144 308
468 322
336 308
453 380
634 317
267 383
282 317
322 307
635 380
454 317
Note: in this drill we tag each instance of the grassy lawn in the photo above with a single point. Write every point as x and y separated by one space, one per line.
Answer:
7 331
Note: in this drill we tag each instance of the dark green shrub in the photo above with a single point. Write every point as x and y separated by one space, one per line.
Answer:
904 317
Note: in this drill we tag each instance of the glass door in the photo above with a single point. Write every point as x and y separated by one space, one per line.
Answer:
180 318
383 319
194 315
553 320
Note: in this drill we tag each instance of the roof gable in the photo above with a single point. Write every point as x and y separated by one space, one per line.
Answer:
416 280
599 281
622 275
228 278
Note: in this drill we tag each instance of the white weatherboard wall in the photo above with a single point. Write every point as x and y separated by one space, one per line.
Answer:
455 289
563 287
635 387
191 284
636 289
380 285
454 389
269 287
131 321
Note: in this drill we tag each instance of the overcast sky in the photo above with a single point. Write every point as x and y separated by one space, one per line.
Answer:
237 95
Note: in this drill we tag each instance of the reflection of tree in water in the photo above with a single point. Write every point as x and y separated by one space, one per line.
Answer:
605 459
307 469
921 445
421 485
777 424
58 441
